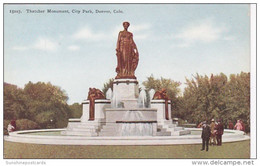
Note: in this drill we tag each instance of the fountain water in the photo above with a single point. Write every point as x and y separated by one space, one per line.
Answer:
137 129
133 115
109 94
142 99
134 126
151 93
115 101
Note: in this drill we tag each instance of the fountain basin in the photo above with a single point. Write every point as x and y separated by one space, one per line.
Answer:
26 136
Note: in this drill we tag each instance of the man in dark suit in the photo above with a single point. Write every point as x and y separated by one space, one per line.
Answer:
205 135
219 133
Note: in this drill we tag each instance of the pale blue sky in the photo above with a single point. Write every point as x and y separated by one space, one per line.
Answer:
77 51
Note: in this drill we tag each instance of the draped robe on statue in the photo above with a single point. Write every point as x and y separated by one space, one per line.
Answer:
127 55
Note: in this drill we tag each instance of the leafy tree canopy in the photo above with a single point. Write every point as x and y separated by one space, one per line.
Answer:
39 102
76 110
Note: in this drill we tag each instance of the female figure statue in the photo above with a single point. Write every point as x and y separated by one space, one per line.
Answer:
127 54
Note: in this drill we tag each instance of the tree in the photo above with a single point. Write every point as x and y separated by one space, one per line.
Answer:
203 97
47 104
171 86
25 124
14 102
41 103
237 93
76 110
108 85
217 97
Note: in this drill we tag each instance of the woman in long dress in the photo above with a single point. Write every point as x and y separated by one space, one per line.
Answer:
127 54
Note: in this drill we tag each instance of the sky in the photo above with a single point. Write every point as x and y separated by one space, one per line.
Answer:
76 51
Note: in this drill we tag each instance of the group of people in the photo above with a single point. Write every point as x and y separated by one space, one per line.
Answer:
211 133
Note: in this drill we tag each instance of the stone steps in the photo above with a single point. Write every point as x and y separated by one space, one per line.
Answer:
108 133
73 124
109 129
163 134
87 127
172 125
181 132
178 128
167 127
83 130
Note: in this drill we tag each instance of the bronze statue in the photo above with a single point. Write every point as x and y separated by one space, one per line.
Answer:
162 94
94 94
127 54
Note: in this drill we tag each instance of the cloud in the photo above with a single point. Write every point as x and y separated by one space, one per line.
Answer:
41 43
140 31
182 45
20 48
229 38
141 36
140 27
205 31
45 44
73 48
87 34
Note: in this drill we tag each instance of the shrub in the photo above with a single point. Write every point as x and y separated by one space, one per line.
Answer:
26 124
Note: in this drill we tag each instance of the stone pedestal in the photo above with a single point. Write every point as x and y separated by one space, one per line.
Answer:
100 105
126 92
160 106
83 126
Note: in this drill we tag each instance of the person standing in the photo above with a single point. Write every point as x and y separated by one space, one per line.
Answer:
238 126
219 133
213 132
243 126
11 126
230 125
205 135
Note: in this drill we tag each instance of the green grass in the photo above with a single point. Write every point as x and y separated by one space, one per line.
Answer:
227 150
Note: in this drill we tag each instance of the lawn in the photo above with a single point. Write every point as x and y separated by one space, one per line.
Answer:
30 151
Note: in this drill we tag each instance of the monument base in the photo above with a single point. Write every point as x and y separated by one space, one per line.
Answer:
160 106
125 93
100 105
